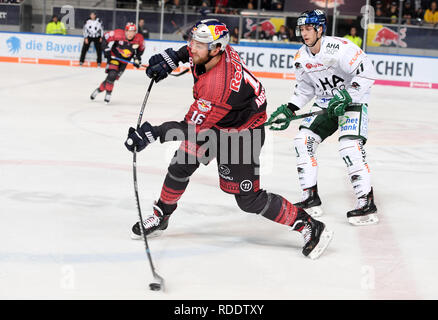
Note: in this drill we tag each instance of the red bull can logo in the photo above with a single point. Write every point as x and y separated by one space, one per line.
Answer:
387 36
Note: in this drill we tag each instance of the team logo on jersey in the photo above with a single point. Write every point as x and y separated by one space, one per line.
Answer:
204 105
126 53
246 185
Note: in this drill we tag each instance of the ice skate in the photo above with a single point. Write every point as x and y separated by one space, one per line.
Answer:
316 235
365 212
310 202
154 224
107 97
95 93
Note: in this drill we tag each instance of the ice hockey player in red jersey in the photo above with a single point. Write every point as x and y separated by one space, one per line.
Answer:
125 45
229 104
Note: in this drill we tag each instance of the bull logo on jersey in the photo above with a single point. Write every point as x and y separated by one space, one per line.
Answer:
204 105
126 53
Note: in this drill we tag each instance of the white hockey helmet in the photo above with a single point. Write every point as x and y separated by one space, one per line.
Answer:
212 32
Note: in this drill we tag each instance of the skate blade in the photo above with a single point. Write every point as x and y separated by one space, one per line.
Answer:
314 212
367 220
154 234
324 241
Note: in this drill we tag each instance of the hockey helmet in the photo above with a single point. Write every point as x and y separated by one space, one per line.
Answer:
212 32
130 26
316 18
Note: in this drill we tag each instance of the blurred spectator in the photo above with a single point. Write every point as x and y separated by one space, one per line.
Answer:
55 26
282 34
220 6
262 34
292 36
277 5
266 5
353 37
393 12
142 29
431 14
379 5
250 5
380 12
408 12
234 38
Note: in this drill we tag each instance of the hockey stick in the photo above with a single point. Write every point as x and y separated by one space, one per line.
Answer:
300 116
159 285
145 66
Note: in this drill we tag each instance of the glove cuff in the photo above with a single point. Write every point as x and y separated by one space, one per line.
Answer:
292 107
168 60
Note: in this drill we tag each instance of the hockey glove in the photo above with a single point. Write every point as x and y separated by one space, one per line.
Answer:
137 62
141 138
338 103
281 118
107 55
160 65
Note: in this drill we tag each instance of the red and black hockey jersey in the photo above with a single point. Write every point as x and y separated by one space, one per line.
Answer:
228 96
115 41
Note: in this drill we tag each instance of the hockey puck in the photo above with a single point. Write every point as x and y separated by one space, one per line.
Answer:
155 286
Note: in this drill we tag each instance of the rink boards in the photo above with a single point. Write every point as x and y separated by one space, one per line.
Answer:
264 60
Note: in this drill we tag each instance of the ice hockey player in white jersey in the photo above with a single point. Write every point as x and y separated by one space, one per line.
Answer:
338 74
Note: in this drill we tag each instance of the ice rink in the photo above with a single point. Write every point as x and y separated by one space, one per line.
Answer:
67 201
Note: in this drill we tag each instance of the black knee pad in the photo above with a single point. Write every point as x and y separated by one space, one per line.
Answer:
112 76
182 171
253 202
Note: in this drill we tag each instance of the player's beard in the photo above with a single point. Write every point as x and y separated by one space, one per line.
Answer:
201 60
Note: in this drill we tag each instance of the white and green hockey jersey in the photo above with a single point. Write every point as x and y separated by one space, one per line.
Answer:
339 64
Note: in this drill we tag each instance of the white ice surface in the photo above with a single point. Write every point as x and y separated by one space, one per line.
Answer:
67 201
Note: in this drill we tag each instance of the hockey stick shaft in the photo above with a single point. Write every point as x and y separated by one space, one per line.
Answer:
301 116
137 198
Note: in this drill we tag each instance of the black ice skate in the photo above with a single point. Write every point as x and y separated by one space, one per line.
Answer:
365 212
107 97
316 235
95 93
311 202
154 224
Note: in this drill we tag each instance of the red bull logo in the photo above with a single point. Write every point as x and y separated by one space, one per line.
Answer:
387 36
126 53
267 26
217 30
220 30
